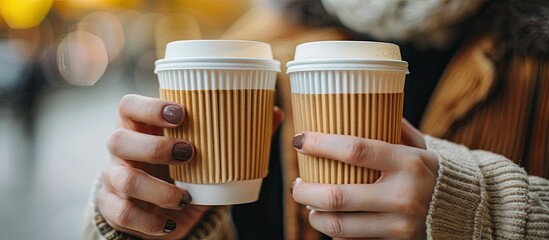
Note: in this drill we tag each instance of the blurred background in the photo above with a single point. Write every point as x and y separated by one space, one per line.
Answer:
64 65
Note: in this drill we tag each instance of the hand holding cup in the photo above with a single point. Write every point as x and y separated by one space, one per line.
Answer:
394 207
137 196
356 178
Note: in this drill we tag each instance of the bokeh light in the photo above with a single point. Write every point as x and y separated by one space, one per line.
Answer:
141 34
82 58
108 27
23 14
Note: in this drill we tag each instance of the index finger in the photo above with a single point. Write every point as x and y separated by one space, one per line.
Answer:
356 151
151 111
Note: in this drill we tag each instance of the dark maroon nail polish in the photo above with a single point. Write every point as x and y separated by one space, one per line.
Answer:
182 151
170 226
297 142
292 188
185 199
172 114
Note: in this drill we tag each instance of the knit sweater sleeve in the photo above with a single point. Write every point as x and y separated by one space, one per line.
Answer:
482 195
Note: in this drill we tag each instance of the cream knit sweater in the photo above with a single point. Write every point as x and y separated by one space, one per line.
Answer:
482 195
478 195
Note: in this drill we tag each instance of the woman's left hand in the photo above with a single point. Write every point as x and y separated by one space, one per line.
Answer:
395 206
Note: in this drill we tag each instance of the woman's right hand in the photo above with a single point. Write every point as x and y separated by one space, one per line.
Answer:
138 197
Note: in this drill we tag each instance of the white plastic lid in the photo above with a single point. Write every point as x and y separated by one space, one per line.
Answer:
347 55
218 54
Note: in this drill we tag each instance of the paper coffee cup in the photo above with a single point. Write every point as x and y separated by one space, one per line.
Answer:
348 88
228 90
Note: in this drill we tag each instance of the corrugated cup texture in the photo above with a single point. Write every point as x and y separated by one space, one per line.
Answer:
366 104
229 121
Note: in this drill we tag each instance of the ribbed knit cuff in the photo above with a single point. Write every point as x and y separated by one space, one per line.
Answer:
538 215
479 195
217 224
459 198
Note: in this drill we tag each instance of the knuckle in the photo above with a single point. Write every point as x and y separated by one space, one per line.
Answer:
402 203
125 102
415 165
404 229
334 227
150 106
158 150
105 176
127 180
172 198
116 140
312 140
358 150
123 215
334 200
407 205
100 199
155 225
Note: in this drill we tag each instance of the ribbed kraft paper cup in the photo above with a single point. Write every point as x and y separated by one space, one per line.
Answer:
347 88
227 89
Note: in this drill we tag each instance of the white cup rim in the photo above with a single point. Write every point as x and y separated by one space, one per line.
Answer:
347 64
225 63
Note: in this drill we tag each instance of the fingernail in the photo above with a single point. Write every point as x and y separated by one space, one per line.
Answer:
172 114
297 142
182 151
170 226
186 199
292 188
